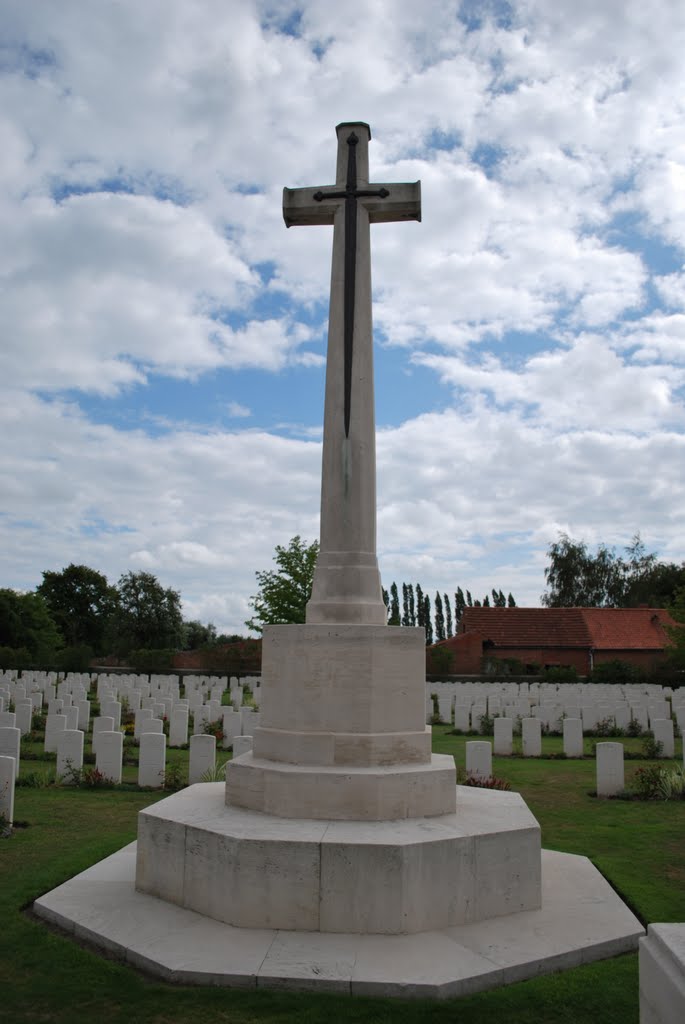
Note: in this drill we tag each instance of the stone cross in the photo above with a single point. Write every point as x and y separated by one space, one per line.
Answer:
347 586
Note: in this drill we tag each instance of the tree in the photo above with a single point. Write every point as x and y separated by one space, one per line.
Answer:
197 635
406 621
576 578
147 616
439 619
284 592
81 602
459 605
420 607
412 607
394 611
427 623
26 625
511 603
448 616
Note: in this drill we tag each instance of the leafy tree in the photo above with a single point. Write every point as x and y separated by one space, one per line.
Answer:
197 635
81 602
578 578
284 592
427 622
486 601
439 619
26 623
469 600
394 616
511 603
147 616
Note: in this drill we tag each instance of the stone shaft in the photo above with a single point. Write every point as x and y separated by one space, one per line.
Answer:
347 586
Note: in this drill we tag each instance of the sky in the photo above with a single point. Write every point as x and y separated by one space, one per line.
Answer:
164 335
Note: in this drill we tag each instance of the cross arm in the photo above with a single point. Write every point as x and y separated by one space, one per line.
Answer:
395 202
403 202
300 207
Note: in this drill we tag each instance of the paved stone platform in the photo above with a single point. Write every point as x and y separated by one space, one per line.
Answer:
581 920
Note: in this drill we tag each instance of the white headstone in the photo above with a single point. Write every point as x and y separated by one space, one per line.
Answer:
531 736
152 759
10 745
109 755
141 716
504 728
462 717
69 753
178 727
477 712
662 730
200 719
24 713
445 709
102 724
84 715
231 726
202 756
54 724
8 775
610 776
573 737
72 715
479 759
111 709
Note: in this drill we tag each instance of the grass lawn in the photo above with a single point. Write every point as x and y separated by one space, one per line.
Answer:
45 977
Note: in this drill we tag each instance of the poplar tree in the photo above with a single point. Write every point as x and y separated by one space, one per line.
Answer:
420 607
448 616
394 618
427 624
439 619
459 605
412 607
406 621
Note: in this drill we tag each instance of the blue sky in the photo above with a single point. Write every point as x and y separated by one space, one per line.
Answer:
161 371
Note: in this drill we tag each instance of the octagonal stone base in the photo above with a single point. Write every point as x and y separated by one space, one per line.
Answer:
259 871
581 920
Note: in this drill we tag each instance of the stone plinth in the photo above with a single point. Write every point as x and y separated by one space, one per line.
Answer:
395 877
380 793
342 733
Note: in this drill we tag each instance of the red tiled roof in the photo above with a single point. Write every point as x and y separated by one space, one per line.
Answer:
597 628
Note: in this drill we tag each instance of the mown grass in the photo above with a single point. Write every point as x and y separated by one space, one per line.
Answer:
44 976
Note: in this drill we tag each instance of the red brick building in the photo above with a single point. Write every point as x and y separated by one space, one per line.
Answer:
580 637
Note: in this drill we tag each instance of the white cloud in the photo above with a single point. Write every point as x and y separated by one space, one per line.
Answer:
144 153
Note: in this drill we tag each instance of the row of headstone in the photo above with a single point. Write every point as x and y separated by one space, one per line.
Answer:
609 764
620 706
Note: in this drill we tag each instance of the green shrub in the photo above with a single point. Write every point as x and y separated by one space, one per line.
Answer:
615 671
560 674
651 748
